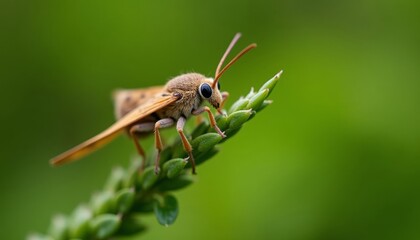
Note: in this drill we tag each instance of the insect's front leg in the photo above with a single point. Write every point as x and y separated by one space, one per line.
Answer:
211 118
187 146
163 123
225 96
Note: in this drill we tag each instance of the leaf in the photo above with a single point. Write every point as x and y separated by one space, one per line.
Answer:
176 183
58 228
103 226
221 122
79 222
148 178
264 105
130 225
166 210
124 200
239 105
116 179
238 118
256 101
205 142
174 167
270 84
102 202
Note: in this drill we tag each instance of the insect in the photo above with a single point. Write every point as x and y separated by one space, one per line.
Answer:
141 112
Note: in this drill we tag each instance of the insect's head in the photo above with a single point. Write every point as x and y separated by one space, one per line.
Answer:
211 88
212 95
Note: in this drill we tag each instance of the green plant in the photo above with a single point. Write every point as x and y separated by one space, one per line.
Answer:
130 192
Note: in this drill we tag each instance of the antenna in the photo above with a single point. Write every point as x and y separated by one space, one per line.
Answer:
219 72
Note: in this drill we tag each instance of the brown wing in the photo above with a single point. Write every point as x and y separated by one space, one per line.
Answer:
157 102
125 100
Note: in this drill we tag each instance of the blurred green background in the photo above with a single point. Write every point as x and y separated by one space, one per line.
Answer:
335 157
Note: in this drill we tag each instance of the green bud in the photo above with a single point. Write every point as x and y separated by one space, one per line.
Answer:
250 94
205 142
270 84
124 200
58 227
130 226
148 177
174 167
175 183
200 129
239 105
256 101
166 209
116 179
102 202
221 122
103 226
79 222
238 118
264 105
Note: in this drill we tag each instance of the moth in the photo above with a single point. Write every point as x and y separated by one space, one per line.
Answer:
144 111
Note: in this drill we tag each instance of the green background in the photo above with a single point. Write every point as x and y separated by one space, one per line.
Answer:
335 157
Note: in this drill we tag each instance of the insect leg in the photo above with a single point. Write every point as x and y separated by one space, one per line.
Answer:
211 117
225 96
187 146
163 123
141 128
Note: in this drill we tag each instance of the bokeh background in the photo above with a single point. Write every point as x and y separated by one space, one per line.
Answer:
336 156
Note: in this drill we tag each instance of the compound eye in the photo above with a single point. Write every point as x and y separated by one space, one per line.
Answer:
218 85
205 90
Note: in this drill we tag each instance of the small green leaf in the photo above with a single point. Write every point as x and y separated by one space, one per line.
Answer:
103 226
176 183
102 202
239 105
174 167
205 142
116 179
79 222
129 226
256 101
238 118
270 84
148 178
166 210
58 228
124 200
